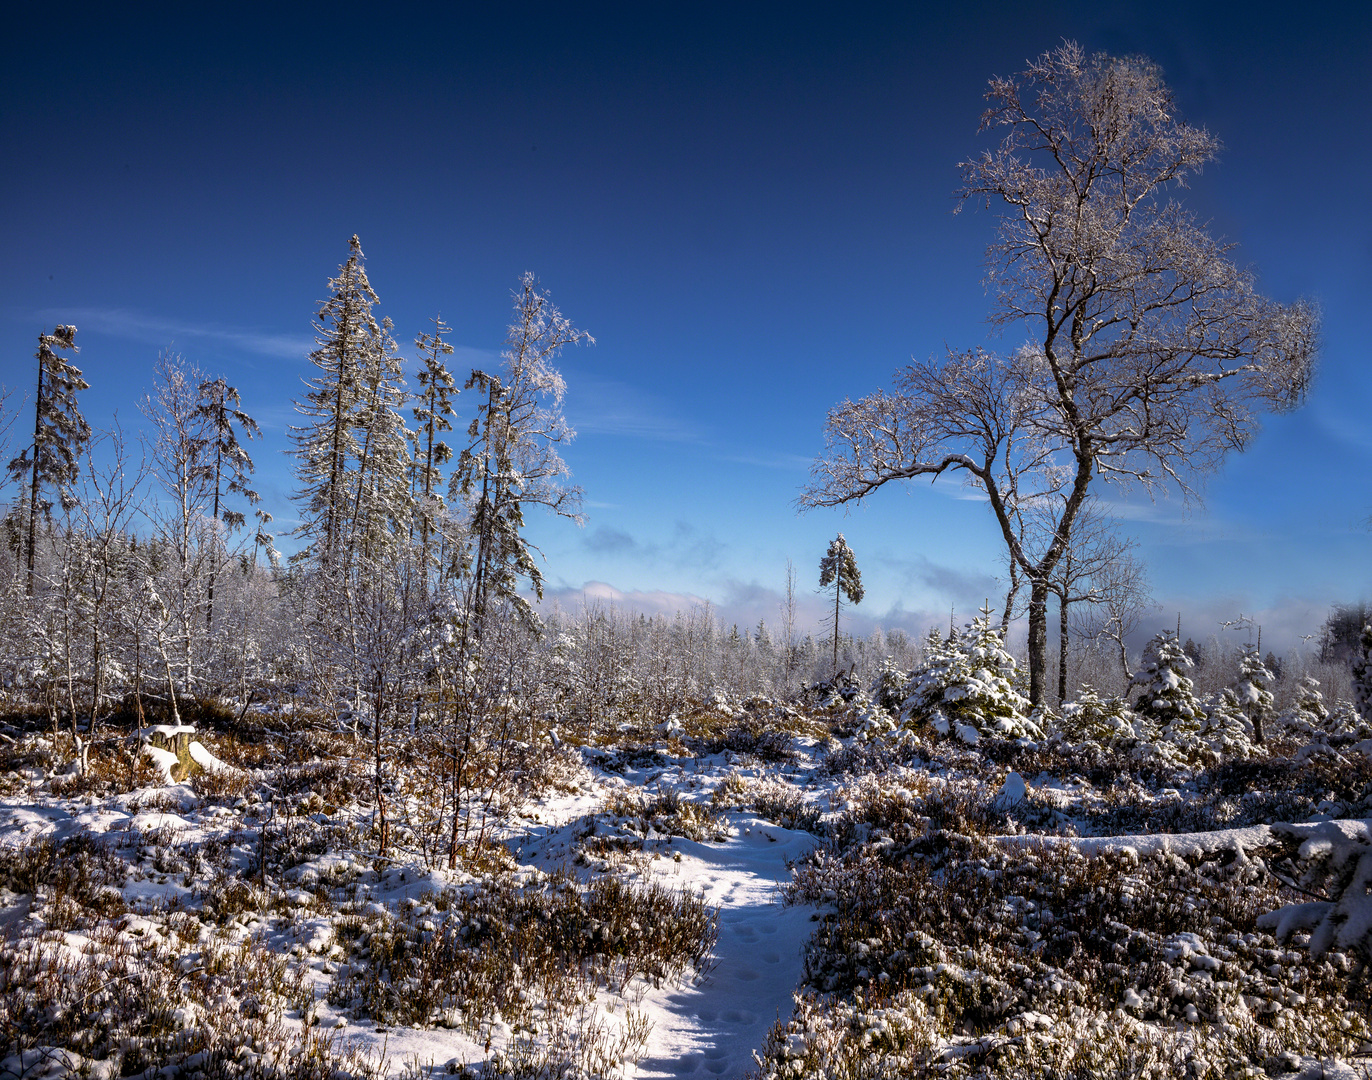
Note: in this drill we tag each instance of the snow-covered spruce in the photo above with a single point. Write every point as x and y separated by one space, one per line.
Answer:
1099 722
1362 672
1308 716
965 688
1167 704
1332 858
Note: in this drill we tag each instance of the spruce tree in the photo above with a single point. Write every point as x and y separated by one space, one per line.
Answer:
326 445
968 686
839 568
379 517
1254 692
59 432
1362 673
1310 716
512 460
231 468
432 411
1167 705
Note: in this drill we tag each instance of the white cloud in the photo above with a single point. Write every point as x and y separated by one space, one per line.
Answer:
744 604
120 322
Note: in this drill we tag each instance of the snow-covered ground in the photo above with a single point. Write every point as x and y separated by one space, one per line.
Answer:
180 871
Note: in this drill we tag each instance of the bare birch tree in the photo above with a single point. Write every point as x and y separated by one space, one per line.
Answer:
1093 570
1122 596
1150 351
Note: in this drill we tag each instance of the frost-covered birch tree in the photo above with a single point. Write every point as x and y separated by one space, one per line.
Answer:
1149 351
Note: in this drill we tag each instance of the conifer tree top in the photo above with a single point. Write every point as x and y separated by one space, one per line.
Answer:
839 563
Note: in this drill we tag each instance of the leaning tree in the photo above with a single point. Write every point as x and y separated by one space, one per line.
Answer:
1149 350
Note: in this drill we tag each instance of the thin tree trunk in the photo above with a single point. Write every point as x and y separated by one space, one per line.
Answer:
1010 595
209 588
1038 641
33 480
171 685
97 664
138 677
837 586
1062 650
71 674
383 832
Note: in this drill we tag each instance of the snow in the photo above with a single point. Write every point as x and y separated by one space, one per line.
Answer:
1199 843
208 761
1013 790
713 1025
708 1023
170 730
1294 918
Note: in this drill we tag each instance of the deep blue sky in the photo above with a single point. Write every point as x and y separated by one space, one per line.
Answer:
751 211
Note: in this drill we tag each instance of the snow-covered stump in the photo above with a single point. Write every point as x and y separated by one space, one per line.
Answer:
169 746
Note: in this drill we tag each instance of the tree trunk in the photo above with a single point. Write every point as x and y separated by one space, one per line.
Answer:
33 480
1038 640
1062 650
209 589
378 787
1010 595
837 587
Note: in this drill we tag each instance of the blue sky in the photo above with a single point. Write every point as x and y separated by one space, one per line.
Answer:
750 210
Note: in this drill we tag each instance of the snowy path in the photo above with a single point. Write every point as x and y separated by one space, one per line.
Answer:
711 1029
710 1026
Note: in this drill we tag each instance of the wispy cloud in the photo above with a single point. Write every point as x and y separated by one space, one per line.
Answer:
782 461
1285 620
604 541
687 546
1154 512
601 593
137 326
953 583
1347 430
601 406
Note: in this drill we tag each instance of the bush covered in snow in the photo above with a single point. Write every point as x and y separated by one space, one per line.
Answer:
1097 721
1036 961
1333 860
966 687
